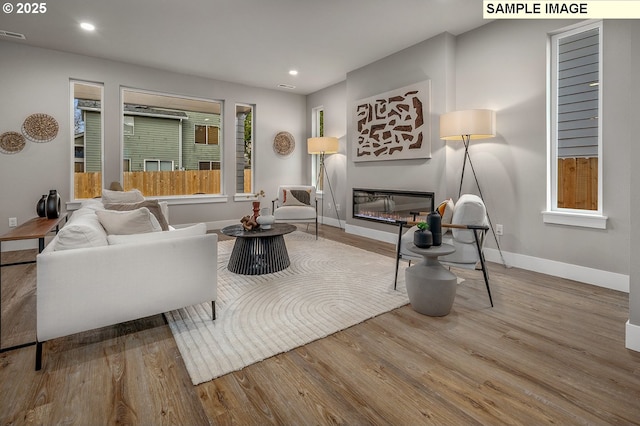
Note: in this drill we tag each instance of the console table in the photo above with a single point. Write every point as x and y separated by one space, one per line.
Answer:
36 228
430 286
260 251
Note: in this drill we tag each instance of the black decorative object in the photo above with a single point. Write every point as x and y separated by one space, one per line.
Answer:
434 220
41 207
53 204
423 238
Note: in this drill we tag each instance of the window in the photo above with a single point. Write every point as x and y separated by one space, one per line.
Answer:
166 139
158 165
206 135
575 160
128 126
244 149
86 139
317 130
209 165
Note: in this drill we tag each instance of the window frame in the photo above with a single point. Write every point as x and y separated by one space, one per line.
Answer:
246 196
317 130
72 95
562 215
179 199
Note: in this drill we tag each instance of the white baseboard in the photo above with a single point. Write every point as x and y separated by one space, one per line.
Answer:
632 339
331 222
597 277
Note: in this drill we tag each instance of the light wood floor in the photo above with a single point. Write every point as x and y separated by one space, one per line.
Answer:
550 351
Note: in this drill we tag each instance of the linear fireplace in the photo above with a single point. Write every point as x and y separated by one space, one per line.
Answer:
389 206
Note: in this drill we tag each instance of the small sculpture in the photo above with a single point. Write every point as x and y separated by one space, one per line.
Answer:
249 223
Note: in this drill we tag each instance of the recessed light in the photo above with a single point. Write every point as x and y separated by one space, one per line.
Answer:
87 26
293 72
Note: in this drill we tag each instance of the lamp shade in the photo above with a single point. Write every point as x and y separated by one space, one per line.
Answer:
474 123
327 145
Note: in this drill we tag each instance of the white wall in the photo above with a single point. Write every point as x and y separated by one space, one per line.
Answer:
37 80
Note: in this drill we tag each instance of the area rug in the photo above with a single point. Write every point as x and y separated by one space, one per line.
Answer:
328 287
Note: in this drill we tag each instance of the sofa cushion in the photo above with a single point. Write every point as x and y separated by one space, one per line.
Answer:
113 197
83 230
199 229
137 221
152 205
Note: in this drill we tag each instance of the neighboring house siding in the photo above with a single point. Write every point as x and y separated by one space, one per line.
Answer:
153 139
193 153
93 148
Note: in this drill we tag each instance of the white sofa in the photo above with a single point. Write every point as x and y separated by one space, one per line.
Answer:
88 279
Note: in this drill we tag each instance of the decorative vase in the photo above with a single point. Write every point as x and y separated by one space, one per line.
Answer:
266 219
41 207
434 220
53 204
256 209
423 238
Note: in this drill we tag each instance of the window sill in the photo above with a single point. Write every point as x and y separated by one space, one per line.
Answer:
584 220
171 200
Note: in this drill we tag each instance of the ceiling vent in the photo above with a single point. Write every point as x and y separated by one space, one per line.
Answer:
10 34
286 86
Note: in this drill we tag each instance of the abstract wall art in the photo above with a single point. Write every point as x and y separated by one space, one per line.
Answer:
394 125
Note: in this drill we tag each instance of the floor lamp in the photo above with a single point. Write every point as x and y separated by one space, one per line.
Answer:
322 146
465 126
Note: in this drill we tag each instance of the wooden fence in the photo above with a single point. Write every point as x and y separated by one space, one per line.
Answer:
578 183
153 184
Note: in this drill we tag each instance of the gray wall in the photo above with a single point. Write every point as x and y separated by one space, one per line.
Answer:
332 99
502 66
37 80
429 60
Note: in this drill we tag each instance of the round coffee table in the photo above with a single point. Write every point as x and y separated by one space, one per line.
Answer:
430 286
258 252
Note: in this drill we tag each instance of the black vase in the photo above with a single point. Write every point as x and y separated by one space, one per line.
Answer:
41 207
435 226
53 204
422 238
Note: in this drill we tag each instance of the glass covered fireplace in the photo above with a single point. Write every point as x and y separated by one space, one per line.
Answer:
389 206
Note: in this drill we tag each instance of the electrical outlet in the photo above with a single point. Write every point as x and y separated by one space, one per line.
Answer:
499 229
338 207
13 222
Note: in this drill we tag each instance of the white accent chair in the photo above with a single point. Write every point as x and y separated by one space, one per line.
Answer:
296 204
466 232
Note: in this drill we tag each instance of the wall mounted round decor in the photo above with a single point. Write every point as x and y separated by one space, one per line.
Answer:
284 143
11 142
40 128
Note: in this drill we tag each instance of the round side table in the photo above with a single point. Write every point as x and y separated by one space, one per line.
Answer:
430 286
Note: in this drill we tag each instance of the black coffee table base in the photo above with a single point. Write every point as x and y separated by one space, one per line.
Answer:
259 252
257 256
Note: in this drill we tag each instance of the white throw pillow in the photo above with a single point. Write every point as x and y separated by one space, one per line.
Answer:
83 230
199 229
117 197
137 221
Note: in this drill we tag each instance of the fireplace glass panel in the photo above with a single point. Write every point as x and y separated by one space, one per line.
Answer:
388 206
